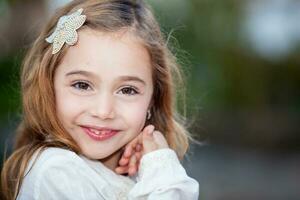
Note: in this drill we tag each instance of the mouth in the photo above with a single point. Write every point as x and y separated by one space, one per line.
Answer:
99 133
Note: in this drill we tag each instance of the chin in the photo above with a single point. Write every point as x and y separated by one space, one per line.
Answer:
95 155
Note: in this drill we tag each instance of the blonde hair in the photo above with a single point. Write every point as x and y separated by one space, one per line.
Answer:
39 120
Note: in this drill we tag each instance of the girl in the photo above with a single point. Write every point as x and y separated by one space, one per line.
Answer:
98 110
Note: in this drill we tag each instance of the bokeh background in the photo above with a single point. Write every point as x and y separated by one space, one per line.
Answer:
241 59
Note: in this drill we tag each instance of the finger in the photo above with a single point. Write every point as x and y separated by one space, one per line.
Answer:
135 145
138 155
160 139
132 167
138 147
123 161
132 171
149 144
140 140
137 165
132 161
130 147
122 170
128 150
148 129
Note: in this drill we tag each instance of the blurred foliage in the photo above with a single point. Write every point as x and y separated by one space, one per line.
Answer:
10 1
9 86
237 96
230 74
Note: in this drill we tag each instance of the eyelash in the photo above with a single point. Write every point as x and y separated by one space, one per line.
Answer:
77 84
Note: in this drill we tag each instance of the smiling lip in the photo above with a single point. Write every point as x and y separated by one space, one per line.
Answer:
99 134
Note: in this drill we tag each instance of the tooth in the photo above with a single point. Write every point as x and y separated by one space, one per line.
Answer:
94 131
97 132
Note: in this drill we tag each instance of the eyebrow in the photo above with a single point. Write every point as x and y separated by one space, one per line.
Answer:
121 78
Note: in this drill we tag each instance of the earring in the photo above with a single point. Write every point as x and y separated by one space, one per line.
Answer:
148 114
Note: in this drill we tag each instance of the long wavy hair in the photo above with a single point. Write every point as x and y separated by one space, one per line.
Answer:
39 119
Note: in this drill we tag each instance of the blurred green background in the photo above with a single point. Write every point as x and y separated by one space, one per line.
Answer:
241 58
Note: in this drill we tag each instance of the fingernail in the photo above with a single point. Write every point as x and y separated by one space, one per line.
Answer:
149 132
138 147
150 129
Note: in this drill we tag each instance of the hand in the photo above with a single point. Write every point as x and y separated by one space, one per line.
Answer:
132 154
129 161
148 140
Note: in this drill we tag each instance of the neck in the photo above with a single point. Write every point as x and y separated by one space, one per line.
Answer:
111 161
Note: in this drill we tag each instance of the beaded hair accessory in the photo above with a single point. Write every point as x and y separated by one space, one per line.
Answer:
65 31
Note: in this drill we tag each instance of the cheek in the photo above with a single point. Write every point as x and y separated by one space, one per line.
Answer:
135 116
66 106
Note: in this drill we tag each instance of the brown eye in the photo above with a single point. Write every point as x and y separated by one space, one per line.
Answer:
81 85
129 91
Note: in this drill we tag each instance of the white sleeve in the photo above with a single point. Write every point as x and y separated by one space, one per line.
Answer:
64 180
161 176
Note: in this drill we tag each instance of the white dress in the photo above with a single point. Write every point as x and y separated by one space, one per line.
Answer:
62 174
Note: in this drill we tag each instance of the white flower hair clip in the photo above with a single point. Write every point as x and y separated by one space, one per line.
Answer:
65 31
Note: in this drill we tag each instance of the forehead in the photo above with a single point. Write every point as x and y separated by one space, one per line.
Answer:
107 53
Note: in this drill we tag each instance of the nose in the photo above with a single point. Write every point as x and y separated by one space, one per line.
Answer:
103 106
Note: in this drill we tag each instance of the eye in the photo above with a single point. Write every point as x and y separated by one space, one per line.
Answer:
129 91
81 85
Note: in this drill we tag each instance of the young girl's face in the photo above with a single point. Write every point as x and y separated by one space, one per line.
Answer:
103 88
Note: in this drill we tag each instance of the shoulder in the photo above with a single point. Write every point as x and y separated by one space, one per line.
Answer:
53 156
58 172
45 164
52 162
53 153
